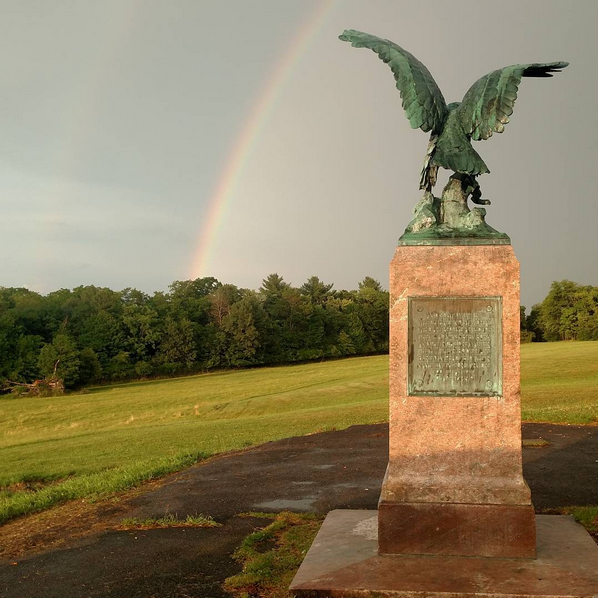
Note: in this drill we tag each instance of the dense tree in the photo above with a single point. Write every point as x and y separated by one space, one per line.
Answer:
60 356
526 335
369 283
273 285
103 333
90 369
93 334
26 358
90 334
189 298
239 340
569 311
371 309
141 331
533 323
221 301
177 347
316 290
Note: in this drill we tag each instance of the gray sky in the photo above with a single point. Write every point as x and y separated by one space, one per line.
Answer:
120 120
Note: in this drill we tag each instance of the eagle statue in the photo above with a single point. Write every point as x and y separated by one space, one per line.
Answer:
484 110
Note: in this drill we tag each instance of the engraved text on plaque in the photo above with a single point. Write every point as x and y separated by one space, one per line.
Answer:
455 346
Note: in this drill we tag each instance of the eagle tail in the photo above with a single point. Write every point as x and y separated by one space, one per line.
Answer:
454 152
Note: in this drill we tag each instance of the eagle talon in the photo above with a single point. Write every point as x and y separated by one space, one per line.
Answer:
472 187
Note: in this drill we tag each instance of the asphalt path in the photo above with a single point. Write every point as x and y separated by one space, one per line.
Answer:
317 473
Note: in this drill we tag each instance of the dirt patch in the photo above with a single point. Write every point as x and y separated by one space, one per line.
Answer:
31 485
74 521
62 525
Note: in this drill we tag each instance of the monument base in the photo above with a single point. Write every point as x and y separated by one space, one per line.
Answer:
344 562
454 529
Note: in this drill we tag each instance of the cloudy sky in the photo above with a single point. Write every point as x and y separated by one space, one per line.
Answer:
146 141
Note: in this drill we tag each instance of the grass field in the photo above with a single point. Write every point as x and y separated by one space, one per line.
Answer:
114 437
559 382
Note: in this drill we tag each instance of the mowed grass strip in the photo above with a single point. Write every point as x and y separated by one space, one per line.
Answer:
115 437
168 521
90 486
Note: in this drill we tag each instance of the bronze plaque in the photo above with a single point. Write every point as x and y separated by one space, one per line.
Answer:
455 346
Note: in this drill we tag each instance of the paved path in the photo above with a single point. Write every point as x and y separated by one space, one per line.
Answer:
312 473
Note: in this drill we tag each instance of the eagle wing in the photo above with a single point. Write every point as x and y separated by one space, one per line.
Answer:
423 101
488 104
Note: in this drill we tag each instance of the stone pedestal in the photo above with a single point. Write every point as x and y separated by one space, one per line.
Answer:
454 482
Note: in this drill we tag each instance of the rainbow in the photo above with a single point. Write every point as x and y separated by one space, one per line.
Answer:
228 181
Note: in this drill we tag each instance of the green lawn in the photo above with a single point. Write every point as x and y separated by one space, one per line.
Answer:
560 382
117 436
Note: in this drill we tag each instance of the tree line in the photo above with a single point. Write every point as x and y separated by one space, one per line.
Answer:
569 312
89 335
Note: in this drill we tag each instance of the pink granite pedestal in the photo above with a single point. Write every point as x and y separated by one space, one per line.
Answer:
454 483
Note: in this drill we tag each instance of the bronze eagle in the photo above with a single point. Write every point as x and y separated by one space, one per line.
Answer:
484 110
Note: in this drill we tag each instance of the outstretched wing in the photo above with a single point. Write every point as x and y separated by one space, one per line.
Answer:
487 105
422 99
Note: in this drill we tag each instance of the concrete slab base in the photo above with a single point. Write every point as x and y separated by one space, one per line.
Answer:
344 562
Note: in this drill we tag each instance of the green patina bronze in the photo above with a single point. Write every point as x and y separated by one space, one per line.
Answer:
484 110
